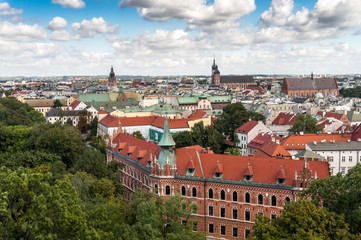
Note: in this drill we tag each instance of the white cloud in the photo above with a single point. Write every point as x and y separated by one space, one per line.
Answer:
21 32
61 36
277 13
57 23
70 3
195 12
89 28
7 10
16 19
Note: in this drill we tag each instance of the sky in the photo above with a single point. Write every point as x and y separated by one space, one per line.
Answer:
179 37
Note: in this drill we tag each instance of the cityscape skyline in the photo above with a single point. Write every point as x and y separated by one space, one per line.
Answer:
85 37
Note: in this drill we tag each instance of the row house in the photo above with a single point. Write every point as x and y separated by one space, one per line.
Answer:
229 191
247 132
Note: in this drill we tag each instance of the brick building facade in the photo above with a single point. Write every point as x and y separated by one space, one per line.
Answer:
228 190
308 87
230 81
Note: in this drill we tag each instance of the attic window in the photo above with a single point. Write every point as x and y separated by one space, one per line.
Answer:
218 175
248 178
281 181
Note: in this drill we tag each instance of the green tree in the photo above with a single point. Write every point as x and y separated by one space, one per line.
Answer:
94 126
57 104
138 135
302 220
339 194
233 116
183 139
28 159
305 123
14 112
62 140
13 138
83 125
233 151
32 208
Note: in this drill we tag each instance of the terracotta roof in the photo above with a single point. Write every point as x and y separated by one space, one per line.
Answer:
139 148
102 112
191 164
74 104
356 134
248 126
294 142
265 170
198 114
272 149
199 149
285 119
330 115
156 121
282 174
257 88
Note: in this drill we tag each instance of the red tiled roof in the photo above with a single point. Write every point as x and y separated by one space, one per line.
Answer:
248 126
285 119
272 149
74 104
219 168
265 170
294 142
199 149
102 112
109 121
198 114
282 174
191 164
356 134
257 88
173 123
139 148
330 115
259 140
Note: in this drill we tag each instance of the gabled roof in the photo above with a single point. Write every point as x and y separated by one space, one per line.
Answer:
265 169
356 134
282 174
285 119
272 149
330 115
248 126
294 142
102 112
236 79
74 104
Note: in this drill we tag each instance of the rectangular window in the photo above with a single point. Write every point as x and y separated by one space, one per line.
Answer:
331 159
343 170
343 158
195 226
223 212
223 230
235 232
247 215
350 158
210 228
234 213
210 210
247 232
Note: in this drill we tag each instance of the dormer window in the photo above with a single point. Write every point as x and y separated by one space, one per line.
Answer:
281 178
219 170
191 168
248 175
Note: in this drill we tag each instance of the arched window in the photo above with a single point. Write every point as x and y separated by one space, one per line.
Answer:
167 190
260 199
156 189
274 201
183 191
210 193
287 199
223 195
247 198
194 192
234 196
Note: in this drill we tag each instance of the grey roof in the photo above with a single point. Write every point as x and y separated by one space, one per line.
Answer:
337 146
308 154
237 79
311 84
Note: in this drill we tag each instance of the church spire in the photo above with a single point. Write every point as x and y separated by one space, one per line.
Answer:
111 75
166 140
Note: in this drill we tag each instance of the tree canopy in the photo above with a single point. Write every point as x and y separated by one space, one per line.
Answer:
305 123
199 135
340 194
302 220
233 116
14 112
351 92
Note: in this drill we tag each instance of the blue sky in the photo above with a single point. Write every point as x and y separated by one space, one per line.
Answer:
179 37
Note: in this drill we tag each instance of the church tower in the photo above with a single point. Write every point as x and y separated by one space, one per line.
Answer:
216 75
112 81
